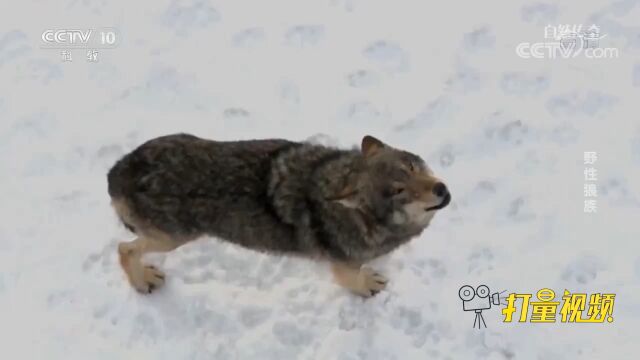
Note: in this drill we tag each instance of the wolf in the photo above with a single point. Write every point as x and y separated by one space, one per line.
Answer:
345 207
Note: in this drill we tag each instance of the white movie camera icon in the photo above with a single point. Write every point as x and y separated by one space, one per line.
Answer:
478 300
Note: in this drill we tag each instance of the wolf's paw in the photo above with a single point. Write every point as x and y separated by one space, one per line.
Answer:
370 282
151 279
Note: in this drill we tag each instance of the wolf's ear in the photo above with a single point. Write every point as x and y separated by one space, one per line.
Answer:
346 197
371 145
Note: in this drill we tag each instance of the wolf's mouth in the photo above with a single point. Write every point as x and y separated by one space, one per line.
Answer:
444 203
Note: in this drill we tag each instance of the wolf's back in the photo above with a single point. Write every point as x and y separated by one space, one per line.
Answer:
182 184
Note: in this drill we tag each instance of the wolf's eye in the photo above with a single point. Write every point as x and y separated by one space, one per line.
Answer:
393 189
411 167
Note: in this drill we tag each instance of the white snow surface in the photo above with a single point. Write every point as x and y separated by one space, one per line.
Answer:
441 79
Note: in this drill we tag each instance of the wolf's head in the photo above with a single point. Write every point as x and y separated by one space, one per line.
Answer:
396 187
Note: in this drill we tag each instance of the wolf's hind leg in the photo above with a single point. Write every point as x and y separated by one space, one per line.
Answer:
360 280
144 278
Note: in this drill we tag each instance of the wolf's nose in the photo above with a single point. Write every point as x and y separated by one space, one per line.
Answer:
440 190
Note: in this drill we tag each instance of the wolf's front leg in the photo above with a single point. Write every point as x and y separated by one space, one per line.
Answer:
144 278
360 280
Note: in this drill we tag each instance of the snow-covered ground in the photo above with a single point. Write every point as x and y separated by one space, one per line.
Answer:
441 79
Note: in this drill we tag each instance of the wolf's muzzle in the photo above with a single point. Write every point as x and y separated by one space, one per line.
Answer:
440 190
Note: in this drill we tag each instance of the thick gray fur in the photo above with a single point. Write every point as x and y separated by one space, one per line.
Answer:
269 195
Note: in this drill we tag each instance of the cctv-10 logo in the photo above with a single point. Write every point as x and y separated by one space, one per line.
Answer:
574 308
104 38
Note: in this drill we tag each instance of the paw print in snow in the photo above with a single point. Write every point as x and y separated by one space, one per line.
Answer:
362 79
465 80
513 132
524 84
481 261
592 103
235 113
304 35
183 19
539 13
388 56
582 270
289 334
13 45
479 39
249 37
